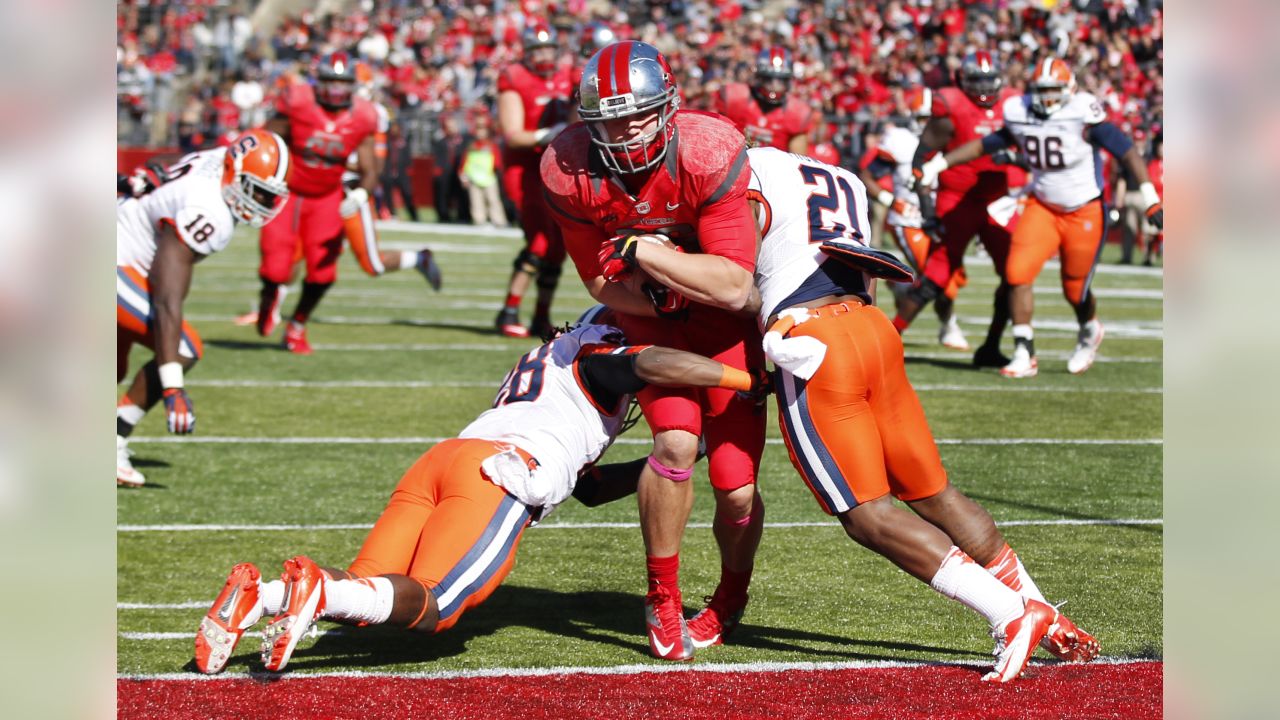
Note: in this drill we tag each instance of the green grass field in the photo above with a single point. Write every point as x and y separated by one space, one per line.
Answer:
398 362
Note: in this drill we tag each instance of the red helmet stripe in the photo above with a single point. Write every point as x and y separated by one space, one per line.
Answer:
604 70
622 68
775 56
984 59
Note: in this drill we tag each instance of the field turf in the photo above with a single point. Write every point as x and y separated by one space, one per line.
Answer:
297 455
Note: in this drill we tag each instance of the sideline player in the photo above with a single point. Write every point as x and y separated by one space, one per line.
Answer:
763 112
1060 131
160 236
852 423
533 107
324 125
893 157
960 114
639 166
449 534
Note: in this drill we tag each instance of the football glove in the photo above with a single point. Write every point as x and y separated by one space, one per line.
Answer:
352 202
618 257
667 303
179 411
1010 156
1155 215
926 175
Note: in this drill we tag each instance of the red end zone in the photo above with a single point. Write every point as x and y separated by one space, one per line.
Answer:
1132 691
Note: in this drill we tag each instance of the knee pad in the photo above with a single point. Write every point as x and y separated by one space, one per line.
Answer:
527 262
548 276
670 473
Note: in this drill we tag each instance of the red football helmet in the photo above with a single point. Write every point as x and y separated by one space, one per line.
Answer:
979 77
773 75
539 43
255 176
1051 87
335 76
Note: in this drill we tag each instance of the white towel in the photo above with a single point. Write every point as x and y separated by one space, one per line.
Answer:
510 471
801 356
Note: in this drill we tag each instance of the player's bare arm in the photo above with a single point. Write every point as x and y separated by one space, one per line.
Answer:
279 125
367 165
799 144
708 279
937 133
170 281
677 368
511 121
620 297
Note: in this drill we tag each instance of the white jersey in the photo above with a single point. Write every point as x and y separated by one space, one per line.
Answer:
191 202
1066 168
806 202
542 410
898 146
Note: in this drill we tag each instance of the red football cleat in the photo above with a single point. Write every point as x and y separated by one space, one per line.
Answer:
303 602
295 339
1067 642
1018 639
717 620
237 609
668 633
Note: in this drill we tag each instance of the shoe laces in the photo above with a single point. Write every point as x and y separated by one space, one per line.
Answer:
666 607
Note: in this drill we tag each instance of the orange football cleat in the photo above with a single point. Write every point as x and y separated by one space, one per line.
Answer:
303 603
237 609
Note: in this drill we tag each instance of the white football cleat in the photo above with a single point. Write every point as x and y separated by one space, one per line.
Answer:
1018 639
1023 364
126 475
951 336
1086 349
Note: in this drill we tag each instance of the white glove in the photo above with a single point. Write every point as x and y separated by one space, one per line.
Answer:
929 172
353 202
802 355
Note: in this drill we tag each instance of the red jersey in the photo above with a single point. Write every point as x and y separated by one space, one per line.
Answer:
321 140
773 128
546 102
696 196
1155 169
981 179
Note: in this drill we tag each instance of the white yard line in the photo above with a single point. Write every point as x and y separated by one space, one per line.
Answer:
564 526
633 669
341 440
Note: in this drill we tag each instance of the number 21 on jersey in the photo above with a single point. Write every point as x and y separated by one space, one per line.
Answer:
824 198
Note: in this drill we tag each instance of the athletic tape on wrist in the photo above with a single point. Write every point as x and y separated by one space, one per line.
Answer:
672 474
171 375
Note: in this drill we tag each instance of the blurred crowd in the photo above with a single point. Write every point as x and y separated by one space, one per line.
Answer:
191 71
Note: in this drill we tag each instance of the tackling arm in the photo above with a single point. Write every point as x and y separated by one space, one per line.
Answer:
701 277
1114 141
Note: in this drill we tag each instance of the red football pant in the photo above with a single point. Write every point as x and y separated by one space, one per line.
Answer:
731 425
962 218
312 223
523 185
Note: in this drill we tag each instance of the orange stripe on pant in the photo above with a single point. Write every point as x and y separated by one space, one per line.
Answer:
855 430
448 527
362 235
133 320
1077 236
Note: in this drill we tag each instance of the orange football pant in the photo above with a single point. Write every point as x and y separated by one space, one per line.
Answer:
855 430
1077 236
448 527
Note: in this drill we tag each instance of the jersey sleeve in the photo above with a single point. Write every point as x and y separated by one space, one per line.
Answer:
939 106
507 80
292 97
1093 112
608 372
725 225
204 231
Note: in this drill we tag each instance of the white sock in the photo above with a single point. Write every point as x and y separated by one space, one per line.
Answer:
1023 331
366 600
271 593
409 258
967 582
130 413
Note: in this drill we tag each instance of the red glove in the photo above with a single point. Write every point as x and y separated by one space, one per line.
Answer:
667 303
618 257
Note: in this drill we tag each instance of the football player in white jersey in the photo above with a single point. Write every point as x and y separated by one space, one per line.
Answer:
893 158
1060 131
851 421
160 236
449 534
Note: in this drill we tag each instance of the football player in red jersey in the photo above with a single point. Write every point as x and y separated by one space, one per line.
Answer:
323 126
638 169
763 112
533 107
960 114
